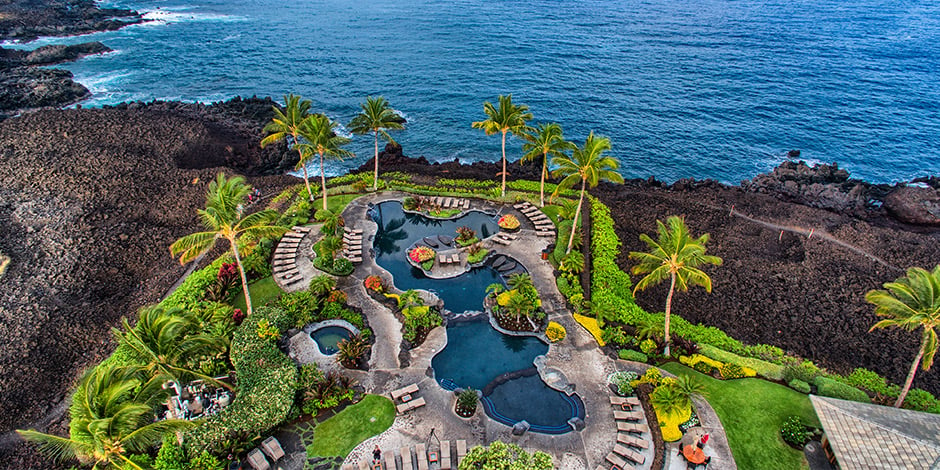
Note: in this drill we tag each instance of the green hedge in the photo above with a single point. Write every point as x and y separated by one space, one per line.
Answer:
266 380
764 369
631 355
832 388
799 386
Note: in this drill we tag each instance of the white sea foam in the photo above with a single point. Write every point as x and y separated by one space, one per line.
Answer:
186 14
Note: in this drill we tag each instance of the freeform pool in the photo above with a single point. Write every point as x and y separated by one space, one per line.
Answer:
328 338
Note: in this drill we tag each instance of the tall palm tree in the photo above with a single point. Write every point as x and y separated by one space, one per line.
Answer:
505 119
376 117
164 339
223 219
286 125
911 302
543 141
590 164
111 417
319 132
676 256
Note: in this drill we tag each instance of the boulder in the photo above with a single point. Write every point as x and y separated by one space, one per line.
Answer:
914 205
520 428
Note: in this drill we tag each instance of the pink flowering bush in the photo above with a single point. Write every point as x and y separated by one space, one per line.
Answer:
421 254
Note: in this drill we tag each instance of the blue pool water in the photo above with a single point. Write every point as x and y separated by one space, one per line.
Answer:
476 355
399 230
708 88
328 338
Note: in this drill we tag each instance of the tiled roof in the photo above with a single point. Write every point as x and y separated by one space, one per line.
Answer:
866 436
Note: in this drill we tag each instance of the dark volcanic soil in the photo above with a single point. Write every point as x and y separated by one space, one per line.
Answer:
89 202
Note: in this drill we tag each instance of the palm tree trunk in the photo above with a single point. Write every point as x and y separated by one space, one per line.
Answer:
672 288
504 164
910 375
307 182
375 181
323 180
577 216
241 271
542 186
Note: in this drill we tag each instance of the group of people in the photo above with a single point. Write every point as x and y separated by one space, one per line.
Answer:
254 196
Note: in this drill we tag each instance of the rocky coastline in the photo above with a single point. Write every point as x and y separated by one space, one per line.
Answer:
91 198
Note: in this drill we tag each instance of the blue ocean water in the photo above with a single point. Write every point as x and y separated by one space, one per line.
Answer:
711 88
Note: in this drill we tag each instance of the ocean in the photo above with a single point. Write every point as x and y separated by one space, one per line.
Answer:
707 89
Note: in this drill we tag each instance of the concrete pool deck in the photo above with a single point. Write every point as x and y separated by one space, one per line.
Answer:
577 356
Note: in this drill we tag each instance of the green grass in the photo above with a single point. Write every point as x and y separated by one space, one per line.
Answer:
752 412
262 291
337 436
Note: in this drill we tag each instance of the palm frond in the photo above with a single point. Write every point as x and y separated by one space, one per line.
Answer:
57 448
192 246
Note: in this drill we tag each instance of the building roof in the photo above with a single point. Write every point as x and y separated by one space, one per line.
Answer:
867 436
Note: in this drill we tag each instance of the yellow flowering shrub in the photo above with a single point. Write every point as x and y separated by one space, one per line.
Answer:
669 423
591 325
555 332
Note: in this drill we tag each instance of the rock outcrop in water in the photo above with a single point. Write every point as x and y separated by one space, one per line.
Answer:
28 19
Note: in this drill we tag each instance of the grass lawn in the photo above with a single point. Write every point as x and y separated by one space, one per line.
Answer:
262 291
337 436
752 412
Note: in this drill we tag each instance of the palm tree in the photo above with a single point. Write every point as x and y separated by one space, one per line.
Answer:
670 400
507 118
286 125
223 218
319 132
590 165
675 256
322 285
164 339
520 282
332 221
911 302
495 289
376 117
410 298
111 417
546 140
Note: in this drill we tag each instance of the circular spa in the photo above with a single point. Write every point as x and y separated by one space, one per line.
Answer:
501 366
328 334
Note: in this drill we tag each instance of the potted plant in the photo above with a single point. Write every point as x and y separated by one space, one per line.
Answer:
466 404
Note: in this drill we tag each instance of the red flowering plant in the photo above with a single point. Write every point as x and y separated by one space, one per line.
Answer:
337 296
421 254
373 283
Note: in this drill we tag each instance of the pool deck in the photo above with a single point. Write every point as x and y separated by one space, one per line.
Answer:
577 356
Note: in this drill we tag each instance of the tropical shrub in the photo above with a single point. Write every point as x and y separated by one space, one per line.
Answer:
342 267
466 236
731 370
264 394
871 381
171 455
351 351
652 376
615 335
322 285
763 368
467 400
337 296
325 391
805 371
266 330
673 407
555 332
701 363
477 253
568 286
590 324
831 388
300 306
631 355
205 461
508 222
422 253
502 456
374 283
800 386
419 320
623 380
647 346
920 400
794 432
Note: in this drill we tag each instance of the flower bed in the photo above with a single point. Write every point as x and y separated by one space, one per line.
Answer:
508 222
420 254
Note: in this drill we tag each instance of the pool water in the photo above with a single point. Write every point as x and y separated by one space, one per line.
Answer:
328 338
476 355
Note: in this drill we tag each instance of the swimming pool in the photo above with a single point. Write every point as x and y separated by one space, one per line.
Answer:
328 338
477 355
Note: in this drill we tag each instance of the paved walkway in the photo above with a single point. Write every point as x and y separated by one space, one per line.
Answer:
577 357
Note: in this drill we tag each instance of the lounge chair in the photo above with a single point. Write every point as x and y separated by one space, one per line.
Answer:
355 259
301 228
443 259
421 454
616 460
272 447
466 204
406 390
445 455
347 466
632 441
257 461
545 233
628 415
406 459
365 463
520 205
620 401
445 240
630 454
461 450
632 427
390 460
501 241
455 258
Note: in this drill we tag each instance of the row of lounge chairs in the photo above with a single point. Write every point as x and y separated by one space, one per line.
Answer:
448 458
504 238
352 239
626 416
270 447
449 259
450 203
285 256
544 227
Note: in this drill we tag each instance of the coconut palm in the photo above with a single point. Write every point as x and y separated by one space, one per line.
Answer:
376 117
505 119
543 141
223 219
520 282
112 417
589 164
320 138
286 125
332 221
676 256
164 339
911 302
495 289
